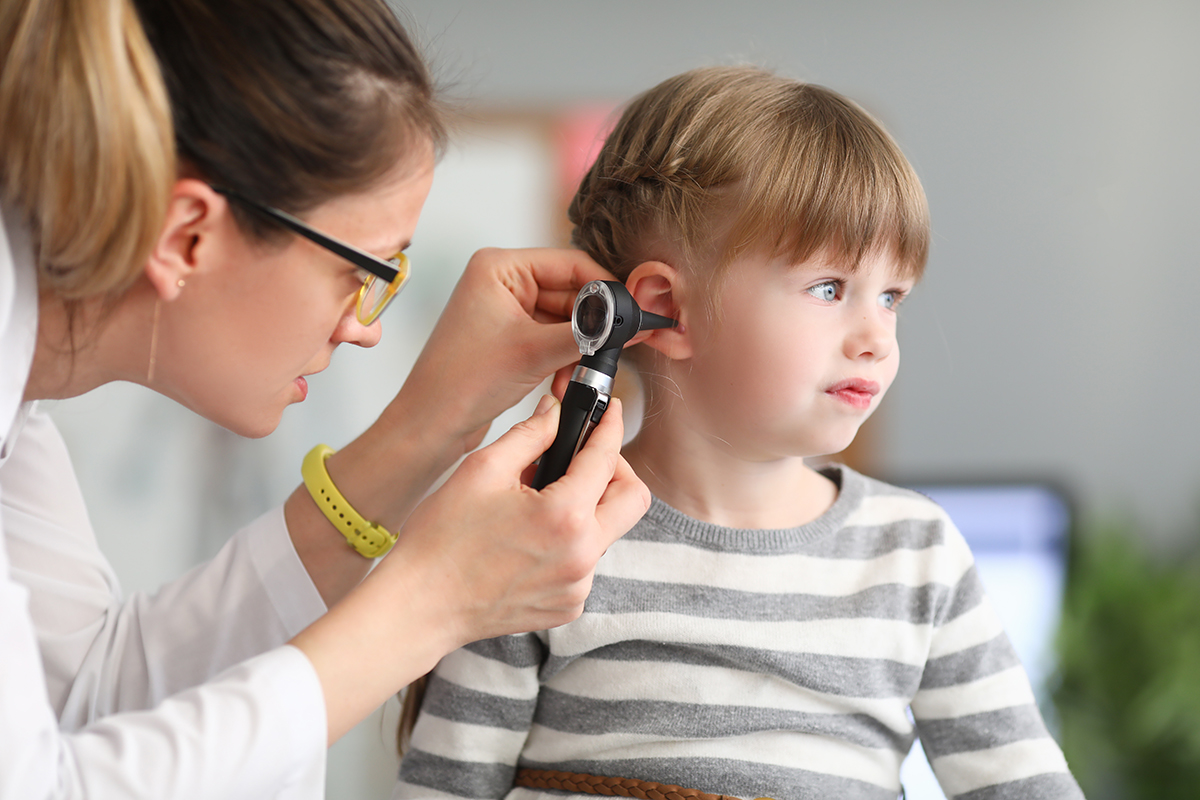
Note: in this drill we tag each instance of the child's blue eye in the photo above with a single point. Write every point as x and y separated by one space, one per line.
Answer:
891 299
827 291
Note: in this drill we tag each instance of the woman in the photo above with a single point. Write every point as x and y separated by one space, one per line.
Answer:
154 163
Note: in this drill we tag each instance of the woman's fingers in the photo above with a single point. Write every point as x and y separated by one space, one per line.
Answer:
593 466
549 347
523 559
540 279
555 305
599 477
514 302
514 452
562 376
561 268
626 500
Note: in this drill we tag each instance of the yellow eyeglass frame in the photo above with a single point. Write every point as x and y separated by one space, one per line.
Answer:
401 264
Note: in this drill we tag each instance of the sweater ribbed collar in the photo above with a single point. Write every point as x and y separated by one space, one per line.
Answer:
851 490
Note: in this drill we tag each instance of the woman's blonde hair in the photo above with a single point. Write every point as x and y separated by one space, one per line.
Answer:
291 104
88 153
723 161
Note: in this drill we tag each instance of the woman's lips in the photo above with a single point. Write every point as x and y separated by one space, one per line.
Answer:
302 382
854 392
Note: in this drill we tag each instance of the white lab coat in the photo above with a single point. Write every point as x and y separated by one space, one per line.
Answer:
106 697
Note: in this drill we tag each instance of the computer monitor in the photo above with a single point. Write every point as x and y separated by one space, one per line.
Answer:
1018 533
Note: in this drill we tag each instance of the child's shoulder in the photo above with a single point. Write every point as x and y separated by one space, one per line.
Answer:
872 509
866 497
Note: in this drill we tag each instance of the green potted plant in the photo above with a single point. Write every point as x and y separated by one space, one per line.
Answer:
1128 696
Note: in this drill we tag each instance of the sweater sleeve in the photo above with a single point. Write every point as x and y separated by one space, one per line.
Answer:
975 711
478 709
103 654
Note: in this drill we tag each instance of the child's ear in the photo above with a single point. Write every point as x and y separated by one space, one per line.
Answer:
190 215
662 289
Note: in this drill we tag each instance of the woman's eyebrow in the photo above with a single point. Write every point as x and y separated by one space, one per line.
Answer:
392 249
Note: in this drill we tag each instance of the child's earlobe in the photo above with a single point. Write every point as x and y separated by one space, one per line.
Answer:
661 289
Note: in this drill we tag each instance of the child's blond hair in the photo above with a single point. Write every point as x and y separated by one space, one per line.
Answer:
723 161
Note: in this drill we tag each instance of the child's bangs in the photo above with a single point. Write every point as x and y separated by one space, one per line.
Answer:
836 184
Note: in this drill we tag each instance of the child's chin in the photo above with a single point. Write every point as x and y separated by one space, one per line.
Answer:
831 447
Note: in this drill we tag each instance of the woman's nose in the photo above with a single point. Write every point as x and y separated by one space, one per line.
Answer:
352 331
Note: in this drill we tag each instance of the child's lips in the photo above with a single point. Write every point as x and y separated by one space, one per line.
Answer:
855 392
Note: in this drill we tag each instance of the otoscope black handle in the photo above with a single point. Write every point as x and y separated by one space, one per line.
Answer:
582 407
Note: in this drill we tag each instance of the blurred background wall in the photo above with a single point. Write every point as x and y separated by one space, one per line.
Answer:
1056 330
1054 337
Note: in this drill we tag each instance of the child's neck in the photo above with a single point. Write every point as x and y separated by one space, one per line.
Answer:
706 480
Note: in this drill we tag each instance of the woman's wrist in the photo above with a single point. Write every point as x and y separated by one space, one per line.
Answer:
444 410
332 565
390 467
382 474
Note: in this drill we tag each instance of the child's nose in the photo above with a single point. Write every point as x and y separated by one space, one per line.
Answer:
871 338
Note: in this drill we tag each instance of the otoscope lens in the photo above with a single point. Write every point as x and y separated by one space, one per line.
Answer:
590 315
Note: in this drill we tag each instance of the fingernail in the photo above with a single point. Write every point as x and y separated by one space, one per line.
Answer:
544 405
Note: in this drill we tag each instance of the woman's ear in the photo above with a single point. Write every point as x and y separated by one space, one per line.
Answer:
190 214
662 289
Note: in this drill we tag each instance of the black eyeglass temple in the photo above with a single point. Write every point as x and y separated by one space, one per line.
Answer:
376 266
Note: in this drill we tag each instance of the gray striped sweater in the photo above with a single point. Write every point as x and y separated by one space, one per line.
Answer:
781 663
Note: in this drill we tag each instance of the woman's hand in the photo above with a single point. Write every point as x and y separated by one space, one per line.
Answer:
502 332
484 555
510 558
505 328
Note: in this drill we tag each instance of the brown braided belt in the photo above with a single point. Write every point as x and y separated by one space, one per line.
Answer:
619 787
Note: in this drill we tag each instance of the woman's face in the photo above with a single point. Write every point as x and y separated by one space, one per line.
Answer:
253 319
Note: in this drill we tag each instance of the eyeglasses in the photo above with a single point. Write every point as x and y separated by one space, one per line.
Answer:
385 277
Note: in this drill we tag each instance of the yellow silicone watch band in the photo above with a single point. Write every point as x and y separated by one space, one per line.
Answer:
369 539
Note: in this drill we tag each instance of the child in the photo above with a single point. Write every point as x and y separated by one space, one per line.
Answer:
767 627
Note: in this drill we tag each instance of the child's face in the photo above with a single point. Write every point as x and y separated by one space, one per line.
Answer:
800 356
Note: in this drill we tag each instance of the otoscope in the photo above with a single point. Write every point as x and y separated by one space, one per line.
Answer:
605 317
